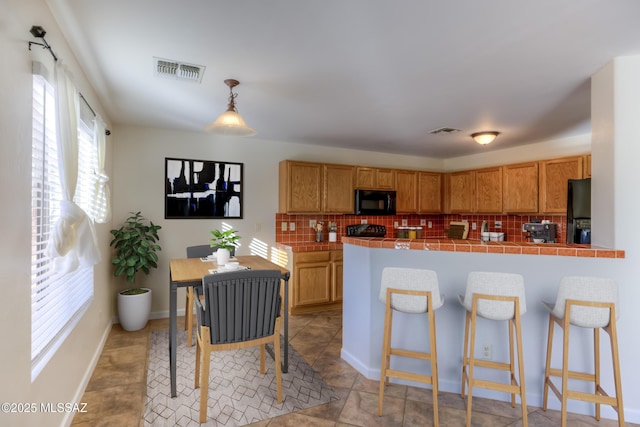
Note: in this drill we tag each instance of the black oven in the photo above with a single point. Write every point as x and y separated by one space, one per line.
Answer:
375 202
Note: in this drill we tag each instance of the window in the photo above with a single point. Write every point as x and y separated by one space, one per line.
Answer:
58 301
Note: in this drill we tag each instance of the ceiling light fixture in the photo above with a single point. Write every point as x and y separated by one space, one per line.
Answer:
484 138
230 122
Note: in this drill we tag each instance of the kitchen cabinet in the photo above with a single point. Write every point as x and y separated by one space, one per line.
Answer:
338 191
586 163
375 178
316 281
520 191
406 191
429 192
554 177
461 191
488 190
300 187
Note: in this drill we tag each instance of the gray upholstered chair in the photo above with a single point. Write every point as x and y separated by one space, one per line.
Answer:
586 302
412 291
494 296
238 310
200 251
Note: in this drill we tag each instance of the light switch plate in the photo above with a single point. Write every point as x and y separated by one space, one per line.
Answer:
283 226
423 222
404 222
473 226
312 223
292 226
430 224
395 224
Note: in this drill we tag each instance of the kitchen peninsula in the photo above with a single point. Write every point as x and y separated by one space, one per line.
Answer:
541 265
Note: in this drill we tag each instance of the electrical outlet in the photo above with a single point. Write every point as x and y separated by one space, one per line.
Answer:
497 224
395 224
283 226
363 221
486 352
404 222
473 226
423 222
430 224
312 223
292 226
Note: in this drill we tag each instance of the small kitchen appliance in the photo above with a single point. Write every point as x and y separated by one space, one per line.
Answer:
541 232
375 202
579 211
366 230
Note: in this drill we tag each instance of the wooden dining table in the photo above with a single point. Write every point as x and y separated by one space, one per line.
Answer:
186 272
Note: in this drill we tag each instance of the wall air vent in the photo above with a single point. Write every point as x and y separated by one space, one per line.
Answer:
177 70
444 130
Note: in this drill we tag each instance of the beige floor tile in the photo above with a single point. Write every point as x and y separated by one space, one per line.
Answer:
361 409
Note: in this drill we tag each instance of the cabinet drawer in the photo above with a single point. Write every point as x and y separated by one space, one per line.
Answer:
323 256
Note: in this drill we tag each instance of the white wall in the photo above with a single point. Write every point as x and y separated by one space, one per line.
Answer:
64 377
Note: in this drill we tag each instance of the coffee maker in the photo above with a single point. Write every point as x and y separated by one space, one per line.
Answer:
541 232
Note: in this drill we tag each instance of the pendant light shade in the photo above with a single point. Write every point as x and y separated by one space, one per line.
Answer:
230 122
484 138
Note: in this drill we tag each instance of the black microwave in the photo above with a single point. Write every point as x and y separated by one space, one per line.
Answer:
375 202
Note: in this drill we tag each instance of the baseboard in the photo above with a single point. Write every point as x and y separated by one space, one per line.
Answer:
154 315
68 417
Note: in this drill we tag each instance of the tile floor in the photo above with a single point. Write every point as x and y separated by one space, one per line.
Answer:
116 393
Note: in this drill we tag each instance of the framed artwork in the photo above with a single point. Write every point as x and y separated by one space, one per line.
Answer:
202 189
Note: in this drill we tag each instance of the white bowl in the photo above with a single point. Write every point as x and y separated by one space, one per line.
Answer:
538 240
232 265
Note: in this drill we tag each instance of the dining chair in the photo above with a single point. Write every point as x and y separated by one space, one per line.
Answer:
238 310
199 251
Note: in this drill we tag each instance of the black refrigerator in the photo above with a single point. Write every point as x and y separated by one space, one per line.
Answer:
579 211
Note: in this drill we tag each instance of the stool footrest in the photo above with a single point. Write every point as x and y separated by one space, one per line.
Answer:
492 385
490 364
600 397
409 353
392 373
573 375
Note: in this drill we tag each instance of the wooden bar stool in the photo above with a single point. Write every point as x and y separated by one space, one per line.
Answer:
409 291
587 302
494 296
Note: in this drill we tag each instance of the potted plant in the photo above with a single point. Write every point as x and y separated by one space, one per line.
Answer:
225 241
135 244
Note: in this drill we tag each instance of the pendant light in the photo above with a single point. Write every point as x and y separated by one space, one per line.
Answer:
230 122
484 138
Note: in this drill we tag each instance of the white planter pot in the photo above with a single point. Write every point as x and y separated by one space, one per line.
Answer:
222 256
134 310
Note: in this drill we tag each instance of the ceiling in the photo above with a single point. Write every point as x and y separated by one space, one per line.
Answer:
364 74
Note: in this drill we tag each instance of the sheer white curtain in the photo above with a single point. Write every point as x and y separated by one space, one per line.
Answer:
72 242
101 203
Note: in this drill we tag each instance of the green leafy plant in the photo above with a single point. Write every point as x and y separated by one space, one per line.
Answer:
224 239
135 245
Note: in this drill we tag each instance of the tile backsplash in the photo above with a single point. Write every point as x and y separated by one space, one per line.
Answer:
511 225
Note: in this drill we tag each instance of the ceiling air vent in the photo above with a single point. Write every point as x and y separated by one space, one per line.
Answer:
177 70
444 130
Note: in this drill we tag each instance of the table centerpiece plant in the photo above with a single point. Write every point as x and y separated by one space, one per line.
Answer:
225 241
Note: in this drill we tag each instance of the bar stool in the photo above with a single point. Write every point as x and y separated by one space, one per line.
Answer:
409 291
494 296
587 302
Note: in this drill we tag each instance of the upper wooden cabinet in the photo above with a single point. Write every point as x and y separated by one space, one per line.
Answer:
429 192
338 189
406 191
586 163
461 190
375 179
488 190
554 177
520 193
300 187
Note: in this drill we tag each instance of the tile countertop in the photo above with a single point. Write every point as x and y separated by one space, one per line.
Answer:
452 245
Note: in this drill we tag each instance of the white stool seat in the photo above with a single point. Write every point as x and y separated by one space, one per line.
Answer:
497 284
410 279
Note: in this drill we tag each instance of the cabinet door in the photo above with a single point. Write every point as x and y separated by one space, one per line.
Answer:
429 192
520 188
365 178
300 187
385 179
336 275
587 166
338 189
554 177
406 189
312 283
461 192
489 190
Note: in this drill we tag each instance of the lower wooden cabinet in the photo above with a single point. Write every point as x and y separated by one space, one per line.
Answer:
316 281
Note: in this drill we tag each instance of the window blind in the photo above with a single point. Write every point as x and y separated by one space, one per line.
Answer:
58 301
